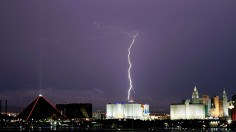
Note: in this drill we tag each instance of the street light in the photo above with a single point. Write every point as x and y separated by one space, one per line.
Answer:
72 122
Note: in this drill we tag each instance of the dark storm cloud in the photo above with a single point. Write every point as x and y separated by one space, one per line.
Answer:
180 44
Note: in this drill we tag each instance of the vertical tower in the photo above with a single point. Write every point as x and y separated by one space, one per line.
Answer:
215 106
195 97
225 104
207 103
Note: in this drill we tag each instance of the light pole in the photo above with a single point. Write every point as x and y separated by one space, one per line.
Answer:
72 123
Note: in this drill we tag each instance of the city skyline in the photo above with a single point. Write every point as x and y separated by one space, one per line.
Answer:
59 49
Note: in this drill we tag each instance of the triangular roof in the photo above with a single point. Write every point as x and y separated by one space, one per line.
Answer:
40 108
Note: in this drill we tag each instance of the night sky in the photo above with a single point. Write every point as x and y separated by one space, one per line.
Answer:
71 52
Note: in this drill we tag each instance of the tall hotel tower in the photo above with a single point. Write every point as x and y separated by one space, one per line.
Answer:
195 96
225 104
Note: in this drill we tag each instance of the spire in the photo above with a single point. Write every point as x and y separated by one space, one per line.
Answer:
195 88
224 94
195 93
195 97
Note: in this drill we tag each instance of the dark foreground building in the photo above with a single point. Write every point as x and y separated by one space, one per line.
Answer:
76 110
40 108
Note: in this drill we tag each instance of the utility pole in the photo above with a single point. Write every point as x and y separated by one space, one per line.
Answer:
6 106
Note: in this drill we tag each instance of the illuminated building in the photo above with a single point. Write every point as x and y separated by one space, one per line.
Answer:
99 115
200 108
234 114
187 110
207 103
159 116
219 108
40 108
76 110
195 96
225 104
233 108
127 111
215 107
221 112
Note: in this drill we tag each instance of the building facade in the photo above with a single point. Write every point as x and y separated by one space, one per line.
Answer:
127 111
187 110
225 104
200 108
215 107
195 96
76 110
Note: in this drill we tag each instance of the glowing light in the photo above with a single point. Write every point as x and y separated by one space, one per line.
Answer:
131 101
40 69
130 65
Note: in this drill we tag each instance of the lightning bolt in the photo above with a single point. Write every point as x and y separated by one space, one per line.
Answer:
134 35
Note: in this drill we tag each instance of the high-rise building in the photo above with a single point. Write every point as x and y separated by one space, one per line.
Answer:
225 104
215 107
195 96
207 103
187 110
221 109
127 111
200 108
76 110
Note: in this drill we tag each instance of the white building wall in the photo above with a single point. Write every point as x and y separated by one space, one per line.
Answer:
225 108
127 111
177 112
109 110
133 111
225 105
119 111
197 111
187 111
